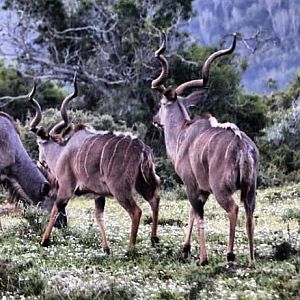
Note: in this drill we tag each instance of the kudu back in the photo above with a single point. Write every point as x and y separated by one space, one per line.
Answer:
102 163
209 157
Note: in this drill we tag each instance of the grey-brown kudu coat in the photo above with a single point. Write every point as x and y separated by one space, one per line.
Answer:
102 163
209 157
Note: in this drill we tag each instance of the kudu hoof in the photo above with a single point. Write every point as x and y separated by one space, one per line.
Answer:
230 256
186 251
106 250
154 241
45 242
203 262
61 221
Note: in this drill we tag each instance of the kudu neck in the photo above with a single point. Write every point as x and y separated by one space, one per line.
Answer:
33 181
173 129
50 152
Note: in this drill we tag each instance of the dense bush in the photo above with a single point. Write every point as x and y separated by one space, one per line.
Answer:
13 84
280 145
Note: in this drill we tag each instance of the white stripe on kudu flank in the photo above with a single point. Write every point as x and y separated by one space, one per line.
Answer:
128 147
87 154
115 150
102 154
227 149
207 144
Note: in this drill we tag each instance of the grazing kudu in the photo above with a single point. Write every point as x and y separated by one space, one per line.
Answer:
17 170
102 163
209 157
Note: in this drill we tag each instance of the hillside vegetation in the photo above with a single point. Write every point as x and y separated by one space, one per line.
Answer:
75 267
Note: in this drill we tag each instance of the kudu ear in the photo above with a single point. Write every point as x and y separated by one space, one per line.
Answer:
195 98
170 94
42 133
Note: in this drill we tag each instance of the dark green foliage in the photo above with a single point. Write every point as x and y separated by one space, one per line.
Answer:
9 275
166 172
10 280
292 214
226 101
164 222
282 251
280 162
110 43
285 99
12 83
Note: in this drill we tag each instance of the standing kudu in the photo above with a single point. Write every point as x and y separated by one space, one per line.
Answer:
102 163
209 157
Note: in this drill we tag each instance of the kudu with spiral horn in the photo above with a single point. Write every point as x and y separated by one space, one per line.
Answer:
18 172
101 163
209 157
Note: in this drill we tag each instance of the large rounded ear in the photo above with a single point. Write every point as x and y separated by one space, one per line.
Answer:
170 94
195 98
68 131
42 133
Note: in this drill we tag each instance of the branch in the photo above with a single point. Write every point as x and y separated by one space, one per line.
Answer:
12 99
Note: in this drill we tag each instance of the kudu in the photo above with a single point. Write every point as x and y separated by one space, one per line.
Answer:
102 163
208 158
18 172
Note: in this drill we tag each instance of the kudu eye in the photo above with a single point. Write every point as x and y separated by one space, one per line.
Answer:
45 189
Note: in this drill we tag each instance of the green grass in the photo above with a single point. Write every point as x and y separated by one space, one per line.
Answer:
74 266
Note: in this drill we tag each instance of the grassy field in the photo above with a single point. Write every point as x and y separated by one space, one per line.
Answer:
74 266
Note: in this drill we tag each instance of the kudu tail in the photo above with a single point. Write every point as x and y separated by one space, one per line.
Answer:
147 182
148 170
248 173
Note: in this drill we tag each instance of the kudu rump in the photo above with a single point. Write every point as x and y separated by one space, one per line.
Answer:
102 163
208 158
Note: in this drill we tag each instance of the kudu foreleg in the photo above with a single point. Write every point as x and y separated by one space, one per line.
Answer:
99 214
197 212
188 235
45 239
58 207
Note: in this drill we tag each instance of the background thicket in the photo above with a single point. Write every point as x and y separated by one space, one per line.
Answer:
110 44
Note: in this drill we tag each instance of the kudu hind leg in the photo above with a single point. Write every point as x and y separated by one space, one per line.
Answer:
151 194
249 204
197 212
99 215
188 235
228 204
154 204
135 214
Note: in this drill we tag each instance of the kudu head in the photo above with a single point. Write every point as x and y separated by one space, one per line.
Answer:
60 133
172 104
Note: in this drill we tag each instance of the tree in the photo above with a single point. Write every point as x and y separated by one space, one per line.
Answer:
109 43
13 85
